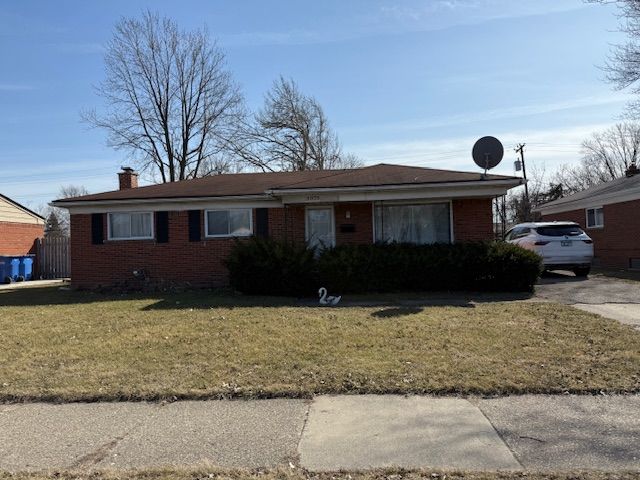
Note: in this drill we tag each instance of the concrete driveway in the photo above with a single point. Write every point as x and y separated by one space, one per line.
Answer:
610 297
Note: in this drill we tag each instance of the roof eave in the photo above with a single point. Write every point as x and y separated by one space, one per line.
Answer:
138 201
507 182
589 202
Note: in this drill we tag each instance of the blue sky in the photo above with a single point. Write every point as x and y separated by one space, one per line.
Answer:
412 82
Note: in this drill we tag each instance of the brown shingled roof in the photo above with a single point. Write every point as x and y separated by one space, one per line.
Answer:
244 184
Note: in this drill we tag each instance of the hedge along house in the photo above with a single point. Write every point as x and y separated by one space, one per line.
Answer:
609 213
19 228
181 232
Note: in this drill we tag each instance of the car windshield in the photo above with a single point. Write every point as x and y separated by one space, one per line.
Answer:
560 230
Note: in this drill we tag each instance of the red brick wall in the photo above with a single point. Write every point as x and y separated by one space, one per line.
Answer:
177 262
19 238
618 240
361 217
472 219
201 263
289 223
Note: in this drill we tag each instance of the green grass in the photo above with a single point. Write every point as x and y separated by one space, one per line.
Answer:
298 474
70 346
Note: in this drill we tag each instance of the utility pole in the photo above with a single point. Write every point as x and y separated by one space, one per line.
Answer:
520 149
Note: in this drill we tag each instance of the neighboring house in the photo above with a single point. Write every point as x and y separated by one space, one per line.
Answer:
610 214
181 232
19 228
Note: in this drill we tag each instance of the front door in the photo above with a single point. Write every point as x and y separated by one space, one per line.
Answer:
320 227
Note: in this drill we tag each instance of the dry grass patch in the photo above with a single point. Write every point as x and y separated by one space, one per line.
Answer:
67 346
298 474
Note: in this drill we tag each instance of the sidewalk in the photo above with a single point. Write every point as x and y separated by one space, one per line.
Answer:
533 432
59 282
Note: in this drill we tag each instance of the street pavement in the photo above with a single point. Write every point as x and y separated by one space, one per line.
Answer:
532 432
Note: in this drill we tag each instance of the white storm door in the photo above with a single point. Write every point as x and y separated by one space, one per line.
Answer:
320 231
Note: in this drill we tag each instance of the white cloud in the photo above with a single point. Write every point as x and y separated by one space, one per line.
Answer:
82 48
293 37
436 14
484 116
547 149
15 87
391 19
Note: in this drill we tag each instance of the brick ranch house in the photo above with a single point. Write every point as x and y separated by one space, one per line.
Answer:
610 214
181 232
19 228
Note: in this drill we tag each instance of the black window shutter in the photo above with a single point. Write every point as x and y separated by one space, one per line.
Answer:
97 229
194 226
162 227
262 222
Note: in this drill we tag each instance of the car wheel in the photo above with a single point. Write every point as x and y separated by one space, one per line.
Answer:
582 271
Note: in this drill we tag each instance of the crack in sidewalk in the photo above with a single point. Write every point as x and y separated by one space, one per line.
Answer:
96 456
500 436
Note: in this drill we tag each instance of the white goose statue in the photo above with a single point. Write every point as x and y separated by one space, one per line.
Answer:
327 300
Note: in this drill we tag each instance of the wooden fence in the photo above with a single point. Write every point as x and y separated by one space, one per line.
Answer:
52 258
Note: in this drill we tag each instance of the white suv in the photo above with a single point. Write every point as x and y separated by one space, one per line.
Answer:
562 245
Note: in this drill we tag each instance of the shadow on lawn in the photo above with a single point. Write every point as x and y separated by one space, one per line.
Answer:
30 297
196 299
391 312
207 299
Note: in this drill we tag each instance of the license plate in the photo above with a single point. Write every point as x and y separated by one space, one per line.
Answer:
566 243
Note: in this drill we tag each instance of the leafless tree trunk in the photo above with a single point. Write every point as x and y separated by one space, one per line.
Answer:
606 156
291 132
170 102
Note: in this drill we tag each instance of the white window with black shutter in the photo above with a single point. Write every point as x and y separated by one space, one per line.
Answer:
130 226
235 222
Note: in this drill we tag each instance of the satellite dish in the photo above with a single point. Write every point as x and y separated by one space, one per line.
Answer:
487 152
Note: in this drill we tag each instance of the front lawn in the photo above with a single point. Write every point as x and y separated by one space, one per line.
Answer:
67 346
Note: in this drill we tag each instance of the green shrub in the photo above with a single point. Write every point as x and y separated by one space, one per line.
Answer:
262 266
491 266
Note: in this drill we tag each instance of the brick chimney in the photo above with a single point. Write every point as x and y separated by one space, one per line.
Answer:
128 178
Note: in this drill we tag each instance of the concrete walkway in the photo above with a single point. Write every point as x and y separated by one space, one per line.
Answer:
534 432
59 282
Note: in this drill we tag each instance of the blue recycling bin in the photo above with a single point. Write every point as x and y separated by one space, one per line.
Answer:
14 267
26 268
4 269
10 268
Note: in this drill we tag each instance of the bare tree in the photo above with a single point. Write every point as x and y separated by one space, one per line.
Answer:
57 219
519 208
623 66
606 156
72 191
170 101
291 132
